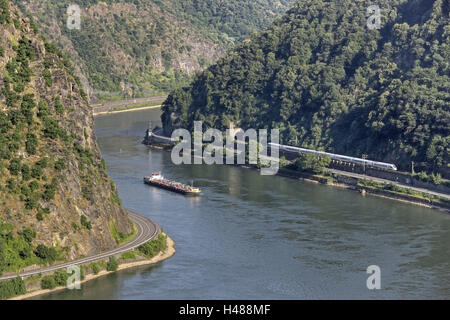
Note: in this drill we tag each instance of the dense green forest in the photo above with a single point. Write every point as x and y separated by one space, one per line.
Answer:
231 21
328 82
150 46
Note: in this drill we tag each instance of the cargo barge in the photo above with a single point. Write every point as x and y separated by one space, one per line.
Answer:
157 180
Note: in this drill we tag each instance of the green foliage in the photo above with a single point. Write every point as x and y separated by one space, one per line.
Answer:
46 254
14 166
175 24
95 268
27 106
393 188
58 279
31 144
120 237
47 77
15 250
312 163
433 178
52 130
59 108
28 234
116 199
75 227
48 282
60 165
231 21
112 264
43 109
12 288
325 80
85 222
4 12
87 193
152 248
128 256
61 277
49 191
18 69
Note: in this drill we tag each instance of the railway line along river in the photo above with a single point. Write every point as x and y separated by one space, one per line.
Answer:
265 237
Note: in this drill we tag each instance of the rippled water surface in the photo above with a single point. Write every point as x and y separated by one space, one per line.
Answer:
257 237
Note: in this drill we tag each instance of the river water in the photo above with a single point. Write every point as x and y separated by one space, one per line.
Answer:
262 237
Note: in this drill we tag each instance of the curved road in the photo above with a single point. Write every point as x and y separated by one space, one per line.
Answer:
147 231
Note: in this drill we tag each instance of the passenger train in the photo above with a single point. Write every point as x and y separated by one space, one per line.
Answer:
338 157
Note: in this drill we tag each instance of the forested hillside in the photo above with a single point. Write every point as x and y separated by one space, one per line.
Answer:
153 46
329 83
56 200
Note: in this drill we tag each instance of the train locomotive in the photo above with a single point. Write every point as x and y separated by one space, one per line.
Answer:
337 157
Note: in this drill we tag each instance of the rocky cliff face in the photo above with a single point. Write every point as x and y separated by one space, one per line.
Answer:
52 176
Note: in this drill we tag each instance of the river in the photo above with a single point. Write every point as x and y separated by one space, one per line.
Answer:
263 237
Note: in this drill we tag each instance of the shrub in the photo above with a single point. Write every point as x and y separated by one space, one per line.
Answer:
312 163
152 248
14 167
60 165
28 234
45 253
31 202
36 172
43 110
33 185
48 282
47 77
112 264
95 268
436 178
128 255
58 106
11 288
40 216
26 172
49 192
75 227
87 193
85 222
31 144
61 277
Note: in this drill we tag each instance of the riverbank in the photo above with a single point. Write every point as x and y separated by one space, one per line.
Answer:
364 186
126 110
369 187
164 255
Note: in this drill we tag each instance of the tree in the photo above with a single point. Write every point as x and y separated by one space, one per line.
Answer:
112 264
312 163
45 253
85 222
14 167
4 12
31 144
48 282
